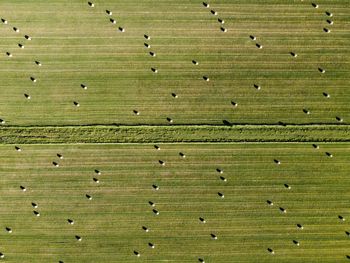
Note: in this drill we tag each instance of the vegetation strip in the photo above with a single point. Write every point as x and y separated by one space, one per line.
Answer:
169 134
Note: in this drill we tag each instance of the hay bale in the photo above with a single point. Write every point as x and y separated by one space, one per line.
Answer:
347 233
96 180
269 202
221 195
156 212
347 256
15 29
293 54
36 213
157 147
174 95
78 238
147 45
257 87
154 70
326 95
2 255
147 37
70 221
162 162
152 54
155 187
109 12
27 96
33 79
271 251
252 37
306 111
34 205
287 186
329 14
2 121
221 21
76 103
83 86
9 54
55 164
91 4
214 12
296 242
112 21
201 260
137 253
283 210
223 179
314 5
182 155
206 78
299 226
97 172
277 161
88 196
259 46
59 156
145 228
8 229
234 104
18 149
330 22
38 63
195 62
23 188
151 203
20 45
339 119
315 146
136 112
121 29
329 154
27 37
206 4
4 21
202 220
223 29
151 245
326 30
213 236
169 120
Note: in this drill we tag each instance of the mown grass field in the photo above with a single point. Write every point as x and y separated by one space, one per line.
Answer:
78 44
111 223
285 141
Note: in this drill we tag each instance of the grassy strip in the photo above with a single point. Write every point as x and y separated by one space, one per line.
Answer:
145 134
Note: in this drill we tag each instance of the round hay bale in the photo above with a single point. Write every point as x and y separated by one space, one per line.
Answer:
147 37
269 202
27 37
137 253
83 86
271 251
76 103
96 180
4 21
20 45
38 63
121 29
214 12
23 188
147 45
97 172
213 236
15 29
314 5
2 121
27 96
326 95
329 14
9 54
151 245
34 205
78 238
221 21
223 29
91 4
252 37
36 213
109 12
145 228
296 242
299 226
88 196
2 255
258 46
206 4
70 221
202 220
156 212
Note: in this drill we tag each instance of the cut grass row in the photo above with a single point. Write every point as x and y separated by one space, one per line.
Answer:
174 134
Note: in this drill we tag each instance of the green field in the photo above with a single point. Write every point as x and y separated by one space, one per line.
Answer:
78 44
111 223
270 126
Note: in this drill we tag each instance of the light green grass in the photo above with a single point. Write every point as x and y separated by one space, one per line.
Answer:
110 224
77 44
